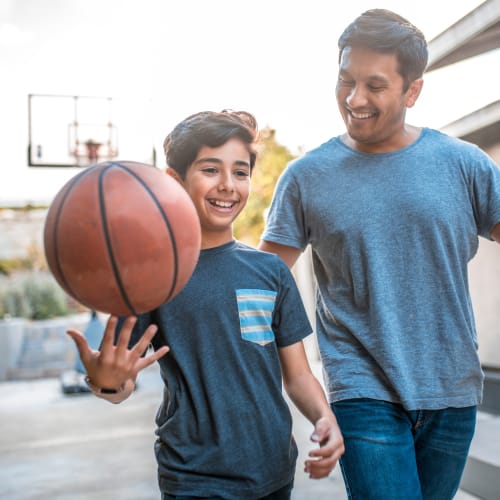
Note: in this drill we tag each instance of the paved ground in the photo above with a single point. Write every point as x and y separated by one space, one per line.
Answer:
59 447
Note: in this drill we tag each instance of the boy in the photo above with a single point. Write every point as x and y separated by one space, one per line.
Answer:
234 334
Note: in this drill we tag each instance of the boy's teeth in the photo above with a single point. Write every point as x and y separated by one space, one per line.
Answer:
225 204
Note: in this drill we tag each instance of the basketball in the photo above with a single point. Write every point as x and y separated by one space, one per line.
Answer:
122 237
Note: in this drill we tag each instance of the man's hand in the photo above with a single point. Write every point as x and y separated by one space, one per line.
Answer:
112 366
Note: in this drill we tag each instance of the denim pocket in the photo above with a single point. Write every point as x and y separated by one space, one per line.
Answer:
255 308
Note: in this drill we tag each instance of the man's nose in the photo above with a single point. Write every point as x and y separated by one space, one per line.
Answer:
357 97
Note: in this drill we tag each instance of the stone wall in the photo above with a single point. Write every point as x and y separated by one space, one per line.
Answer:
20 229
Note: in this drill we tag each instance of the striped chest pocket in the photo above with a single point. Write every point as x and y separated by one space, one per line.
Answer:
255 308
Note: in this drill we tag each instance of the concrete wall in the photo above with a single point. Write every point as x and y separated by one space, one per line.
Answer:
484 276
303 273
34 349
20 230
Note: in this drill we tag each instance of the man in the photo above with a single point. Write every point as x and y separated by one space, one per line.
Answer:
392 213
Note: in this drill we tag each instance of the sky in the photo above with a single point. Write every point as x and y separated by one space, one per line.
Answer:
161 60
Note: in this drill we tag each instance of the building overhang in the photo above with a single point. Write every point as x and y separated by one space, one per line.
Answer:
474 34
482 127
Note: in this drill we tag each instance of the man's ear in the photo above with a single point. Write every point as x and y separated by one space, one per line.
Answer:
413 92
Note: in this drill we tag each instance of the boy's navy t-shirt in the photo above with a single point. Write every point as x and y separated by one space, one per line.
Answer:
224 427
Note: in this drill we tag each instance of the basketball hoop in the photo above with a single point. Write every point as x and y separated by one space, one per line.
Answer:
92 151
90 140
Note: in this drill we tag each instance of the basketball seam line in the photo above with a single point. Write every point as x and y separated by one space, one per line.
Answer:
55 235
167 223
107 237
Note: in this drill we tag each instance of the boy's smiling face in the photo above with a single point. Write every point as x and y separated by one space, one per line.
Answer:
218 182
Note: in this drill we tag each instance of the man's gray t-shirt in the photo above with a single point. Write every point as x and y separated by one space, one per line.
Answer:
391 235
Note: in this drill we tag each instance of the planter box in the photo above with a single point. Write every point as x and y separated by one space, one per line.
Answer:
35 349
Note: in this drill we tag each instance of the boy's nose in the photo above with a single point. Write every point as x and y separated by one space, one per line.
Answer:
226 184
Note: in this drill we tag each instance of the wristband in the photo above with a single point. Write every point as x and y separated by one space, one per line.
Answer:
101 390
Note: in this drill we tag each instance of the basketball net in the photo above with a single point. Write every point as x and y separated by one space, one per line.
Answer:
90 152
93 151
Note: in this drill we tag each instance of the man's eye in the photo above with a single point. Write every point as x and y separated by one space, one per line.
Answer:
346 83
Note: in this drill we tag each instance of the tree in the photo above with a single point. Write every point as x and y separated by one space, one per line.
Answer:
271 160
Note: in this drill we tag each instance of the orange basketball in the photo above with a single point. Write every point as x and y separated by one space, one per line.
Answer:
122 237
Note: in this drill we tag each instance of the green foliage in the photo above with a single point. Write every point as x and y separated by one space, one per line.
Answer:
7 266
271 161
33 295
12 301
45 298
34 259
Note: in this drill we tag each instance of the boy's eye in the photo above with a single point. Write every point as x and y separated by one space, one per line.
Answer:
242 173
210 170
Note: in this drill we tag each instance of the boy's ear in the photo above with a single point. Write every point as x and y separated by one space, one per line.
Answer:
173 173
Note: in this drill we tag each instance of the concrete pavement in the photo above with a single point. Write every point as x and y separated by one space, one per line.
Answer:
78 447
59 447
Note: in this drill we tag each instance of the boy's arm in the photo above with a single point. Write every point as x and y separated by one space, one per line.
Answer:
308 396
112 370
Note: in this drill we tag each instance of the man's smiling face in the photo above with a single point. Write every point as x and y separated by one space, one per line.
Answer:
371 99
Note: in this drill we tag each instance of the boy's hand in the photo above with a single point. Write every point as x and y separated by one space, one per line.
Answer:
112 366
323 459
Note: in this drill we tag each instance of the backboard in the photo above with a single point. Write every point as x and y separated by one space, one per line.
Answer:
70 131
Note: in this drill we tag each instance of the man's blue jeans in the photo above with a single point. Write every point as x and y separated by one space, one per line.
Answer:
392 453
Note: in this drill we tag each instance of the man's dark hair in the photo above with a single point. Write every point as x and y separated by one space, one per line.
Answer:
212 129
384 31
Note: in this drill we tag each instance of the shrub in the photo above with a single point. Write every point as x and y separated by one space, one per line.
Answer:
34 295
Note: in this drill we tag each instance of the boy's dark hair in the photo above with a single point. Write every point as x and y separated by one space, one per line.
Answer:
384 31
212 129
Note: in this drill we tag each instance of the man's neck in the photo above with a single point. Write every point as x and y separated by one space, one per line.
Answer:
408 136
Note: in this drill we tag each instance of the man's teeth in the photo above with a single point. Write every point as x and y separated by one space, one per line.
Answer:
361 115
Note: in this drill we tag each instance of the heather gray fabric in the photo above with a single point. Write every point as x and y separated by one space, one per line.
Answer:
391 235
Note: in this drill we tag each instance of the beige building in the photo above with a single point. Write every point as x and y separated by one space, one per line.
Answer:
476 34
473 35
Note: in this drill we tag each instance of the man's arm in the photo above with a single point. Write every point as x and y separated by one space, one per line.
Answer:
495 234
288 255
